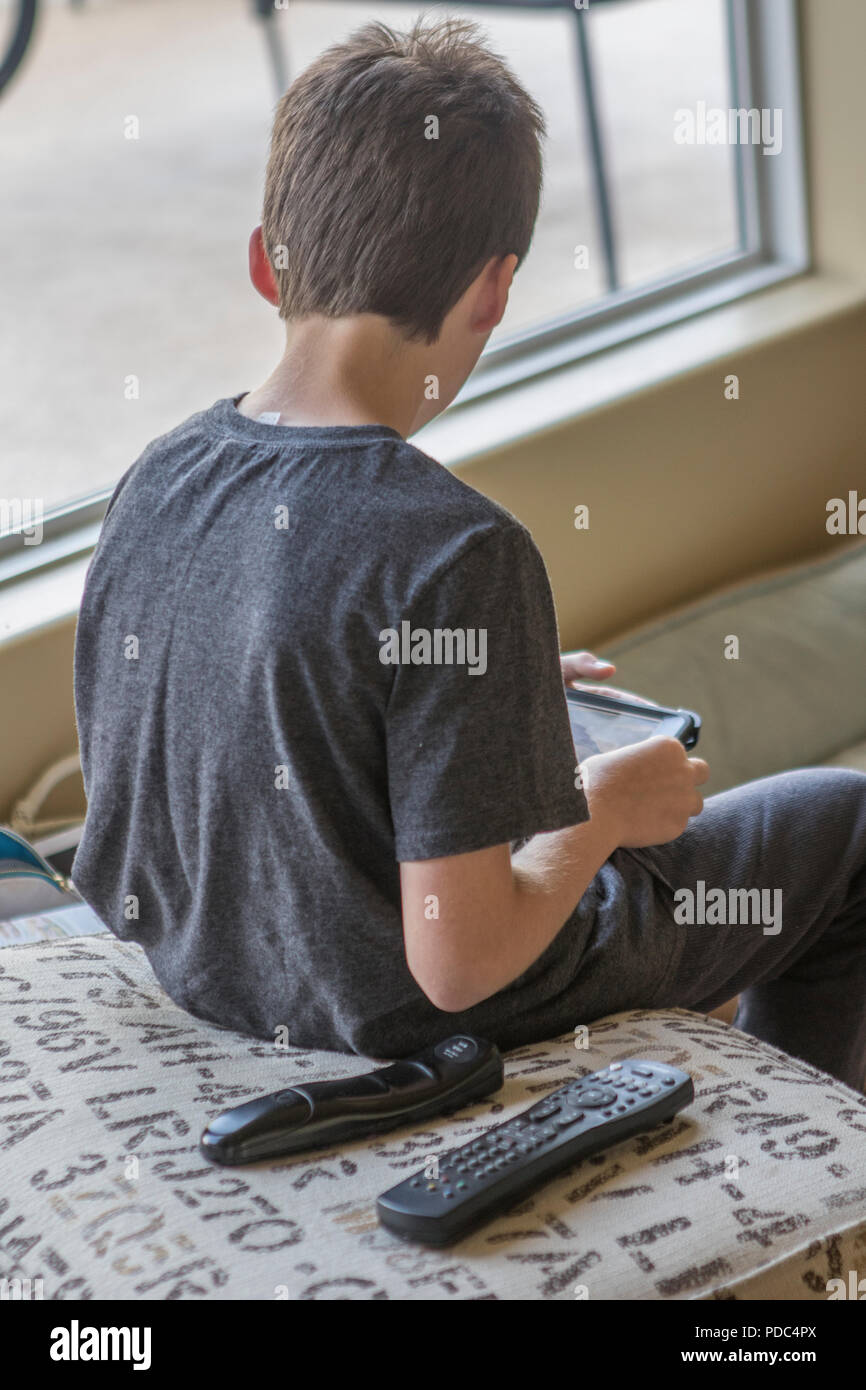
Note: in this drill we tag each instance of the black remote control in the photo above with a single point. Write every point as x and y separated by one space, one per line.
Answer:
490 1174
314 1113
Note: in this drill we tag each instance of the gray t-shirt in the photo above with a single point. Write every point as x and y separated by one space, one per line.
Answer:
270 722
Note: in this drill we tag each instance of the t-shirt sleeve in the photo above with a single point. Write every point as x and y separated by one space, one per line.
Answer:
480 749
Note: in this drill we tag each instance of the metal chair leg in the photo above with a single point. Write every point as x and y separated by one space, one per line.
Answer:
265 11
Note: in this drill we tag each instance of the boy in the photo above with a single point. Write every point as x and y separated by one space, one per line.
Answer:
328 761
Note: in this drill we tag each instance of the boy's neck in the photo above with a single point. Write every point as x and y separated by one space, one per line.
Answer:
350 371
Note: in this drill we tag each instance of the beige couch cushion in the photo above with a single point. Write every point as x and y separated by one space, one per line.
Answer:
757 1190
850 757
794 696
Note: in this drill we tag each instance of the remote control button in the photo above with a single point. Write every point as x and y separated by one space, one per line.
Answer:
542 1110
668 1081
594 1096
621 1108
616 1066
458 1049
607 1114
642 1071
649 1091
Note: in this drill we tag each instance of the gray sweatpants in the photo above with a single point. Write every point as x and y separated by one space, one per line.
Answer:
786 856
800 970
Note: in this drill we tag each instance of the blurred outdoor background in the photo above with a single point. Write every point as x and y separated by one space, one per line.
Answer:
127 257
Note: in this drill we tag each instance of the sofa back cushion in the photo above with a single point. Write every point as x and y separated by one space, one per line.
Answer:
794 694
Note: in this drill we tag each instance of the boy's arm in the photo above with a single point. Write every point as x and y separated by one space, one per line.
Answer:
496 913
474 922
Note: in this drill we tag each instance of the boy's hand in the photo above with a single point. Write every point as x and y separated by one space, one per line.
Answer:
577 666
645 792
580 666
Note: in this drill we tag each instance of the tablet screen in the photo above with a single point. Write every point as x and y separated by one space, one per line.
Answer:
600 730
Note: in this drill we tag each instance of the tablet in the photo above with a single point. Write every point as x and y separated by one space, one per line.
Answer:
600 723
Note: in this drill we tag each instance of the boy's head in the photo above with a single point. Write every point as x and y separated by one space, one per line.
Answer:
401 165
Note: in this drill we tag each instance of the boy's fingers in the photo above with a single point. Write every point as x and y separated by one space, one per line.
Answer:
578 664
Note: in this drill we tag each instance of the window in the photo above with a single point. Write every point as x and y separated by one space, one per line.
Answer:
624 205
134 140
674 183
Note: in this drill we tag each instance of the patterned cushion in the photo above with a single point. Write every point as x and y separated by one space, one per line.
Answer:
756 1191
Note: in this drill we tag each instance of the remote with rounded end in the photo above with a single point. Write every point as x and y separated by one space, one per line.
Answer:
485 1177
455 1072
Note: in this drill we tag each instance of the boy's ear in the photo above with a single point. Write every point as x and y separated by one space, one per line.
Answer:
261 273
491 298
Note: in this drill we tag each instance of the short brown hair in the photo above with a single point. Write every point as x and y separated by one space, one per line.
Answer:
370 214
